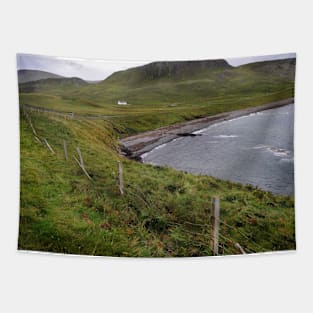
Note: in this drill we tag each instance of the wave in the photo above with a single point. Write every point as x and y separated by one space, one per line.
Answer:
256 113
289 160
144 155
160 146
225 136
200 131
279 151
259 147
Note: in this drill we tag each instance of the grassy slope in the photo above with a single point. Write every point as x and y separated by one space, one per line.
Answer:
33 75
62 211
152 100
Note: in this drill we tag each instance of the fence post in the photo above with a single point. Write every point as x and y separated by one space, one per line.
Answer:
120 177
49 147
29 121
38 139
215 224
65 150
81 163
239 247
80 157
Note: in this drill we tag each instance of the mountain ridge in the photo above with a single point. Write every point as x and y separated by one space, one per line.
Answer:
51 83
176 70
29 75
210 88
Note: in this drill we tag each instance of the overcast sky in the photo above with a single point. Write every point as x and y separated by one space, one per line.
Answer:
100 69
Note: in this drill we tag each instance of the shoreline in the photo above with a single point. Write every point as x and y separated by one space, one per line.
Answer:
135 146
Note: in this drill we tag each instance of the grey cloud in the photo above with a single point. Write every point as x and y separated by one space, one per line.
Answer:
100 69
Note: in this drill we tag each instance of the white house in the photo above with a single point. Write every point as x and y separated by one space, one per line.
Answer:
121 102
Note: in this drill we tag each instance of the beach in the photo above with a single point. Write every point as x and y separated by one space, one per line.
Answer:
136 145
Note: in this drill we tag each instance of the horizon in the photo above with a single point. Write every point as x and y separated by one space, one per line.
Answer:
97 69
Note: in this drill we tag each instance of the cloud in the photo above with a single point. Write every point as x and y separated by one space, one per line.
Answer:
245 60
74 67
100 69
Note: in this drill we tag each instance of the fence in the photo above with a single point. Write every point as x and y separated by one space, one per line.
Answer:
218 243
210 232
67 115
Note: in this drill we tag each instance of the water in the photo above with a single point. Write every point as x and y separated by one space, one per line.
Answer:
255 149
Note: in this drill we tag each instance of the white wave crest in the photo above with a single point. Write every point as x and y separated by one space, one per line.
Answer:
225 136
144 155
289 160
259 147
279 151
160 146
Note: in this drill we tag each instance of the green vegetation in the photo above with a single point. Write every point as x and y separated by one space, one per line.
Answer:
158 97
163 212
62 211
33 75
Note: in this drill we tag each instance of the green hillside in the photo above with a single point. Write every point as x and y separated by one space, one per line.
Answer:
163 212
160 94
166 71
52 85
34 75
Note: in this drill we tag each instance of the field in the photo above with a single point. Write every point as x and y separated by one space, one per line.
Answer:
160 102
163 213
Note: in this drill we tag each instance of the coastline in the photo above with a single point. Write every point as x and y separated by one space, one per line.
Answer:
135 146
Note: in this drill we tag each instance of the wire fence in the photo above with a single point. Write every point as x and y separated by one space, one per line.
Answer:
68 115
204 231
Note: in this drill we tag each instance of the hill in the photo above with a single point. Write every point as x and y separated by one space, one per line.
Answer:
163 212
52 85
168 71
163 93
33 75
278 68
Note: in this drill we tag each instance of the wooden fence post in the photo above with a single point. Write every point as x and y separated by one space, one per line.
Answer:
120 177
49 147
81 161
215 224
239 247
65 150
36 138
29 121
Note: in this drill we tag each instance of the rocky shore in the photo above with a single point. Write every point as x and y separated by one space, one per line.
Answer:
134 146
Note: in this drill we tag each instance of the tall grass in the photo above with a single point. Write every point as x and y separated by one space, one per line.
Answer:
164 212
62 211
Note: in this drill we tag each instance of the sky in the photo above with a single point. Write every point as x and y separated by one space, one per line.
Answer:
96 69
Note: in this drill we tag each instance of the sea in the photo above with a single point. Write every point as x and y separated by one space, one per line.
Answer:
255 149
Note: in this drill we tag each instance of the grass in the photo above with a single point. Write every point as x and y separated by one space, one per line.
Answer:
62 211
164 212
160 102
